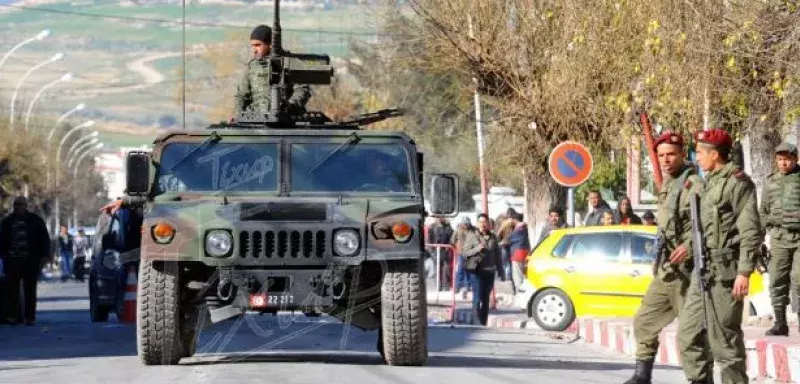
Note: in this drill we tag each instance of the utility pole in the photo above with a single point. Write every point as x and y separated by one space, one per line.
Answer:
479 129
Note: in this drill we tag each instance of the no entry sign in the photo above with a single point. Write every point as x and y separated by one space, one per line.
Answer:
570 164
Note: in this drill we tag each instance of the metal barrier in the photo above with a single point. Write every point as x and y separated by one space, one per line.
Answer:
452 250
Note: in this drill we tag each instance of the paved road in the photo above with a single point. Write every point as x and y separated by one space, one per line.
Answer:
65 347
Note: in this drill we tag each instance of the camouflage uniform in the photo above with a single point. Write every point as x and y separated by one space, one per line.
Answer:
780 213
253 92
664 298
732 236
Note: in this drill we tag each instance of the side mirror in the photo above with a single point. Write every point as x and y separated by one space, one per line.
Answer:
137 172
444 195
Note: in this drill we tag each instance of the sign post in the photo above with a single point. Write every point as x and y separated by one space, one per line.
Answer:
570 164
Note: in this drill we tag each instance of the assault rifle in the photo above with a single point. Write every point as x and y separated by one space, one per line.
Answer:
698 251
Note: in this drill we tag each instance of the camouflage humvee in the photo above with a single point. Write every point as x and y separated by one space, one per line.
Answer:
318 217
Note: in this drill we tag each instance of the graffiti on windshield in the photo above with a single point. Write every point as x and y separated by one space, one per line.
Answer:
225 167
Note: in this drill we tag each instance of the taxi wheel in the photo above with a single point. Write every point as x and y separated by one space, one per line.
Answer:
552 310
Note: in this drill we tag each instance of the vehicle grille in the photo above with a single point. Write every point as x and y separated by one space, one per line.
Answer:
282 244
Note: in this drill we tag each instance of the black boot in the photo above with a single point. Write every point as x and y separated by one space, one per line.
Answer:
642 374
780 328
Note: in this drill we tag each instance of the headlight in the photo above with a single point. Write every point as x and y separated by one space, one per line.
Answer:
346 242
111 259
219 243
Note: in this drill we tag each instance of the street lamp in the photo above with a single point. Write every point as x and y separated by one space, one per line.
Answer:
79 107
81 148
53 59
75 174
66 77
89 137
58 165
39 36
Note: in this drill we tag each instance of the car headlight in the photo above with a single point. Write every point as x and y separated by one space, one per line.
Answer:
219 243
111 259
346 242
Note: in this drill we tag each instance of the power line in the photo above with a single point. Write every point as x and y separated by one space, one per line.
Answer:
196 24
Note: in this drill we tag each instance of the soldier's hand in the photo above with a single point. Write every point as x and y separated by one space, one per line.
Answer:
678 255
741 287
112 207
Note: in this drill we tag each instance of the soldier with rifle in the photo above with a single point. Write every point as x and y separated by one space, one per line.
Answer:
672 269
728 229
780 213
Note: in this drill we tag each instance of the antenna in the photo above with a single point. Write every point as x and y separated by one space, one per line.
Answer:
183 60
276 65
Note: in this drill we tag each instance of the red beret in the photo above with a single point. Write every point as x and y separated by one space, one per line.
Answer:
669 137
716 137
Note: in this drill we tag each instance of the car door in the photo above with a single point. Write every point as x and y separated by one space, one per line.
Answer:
598 273
642 255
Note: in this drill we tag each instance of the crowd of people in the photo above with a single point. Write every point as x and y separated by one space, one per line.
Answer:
26 249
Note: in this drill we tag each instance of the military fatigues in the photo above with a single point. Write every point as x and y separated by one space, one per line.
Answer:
732 236
780 213
664 298
253 91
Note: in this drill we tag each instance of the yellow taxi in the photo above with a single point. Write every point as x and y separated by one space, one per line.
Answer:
599 271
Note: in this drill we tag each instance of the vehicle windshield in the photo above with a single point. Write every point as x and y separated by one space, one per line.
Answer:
239 167
358 167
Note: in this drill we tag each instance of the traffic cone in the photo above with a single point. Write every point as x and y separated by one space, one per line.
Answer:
129 308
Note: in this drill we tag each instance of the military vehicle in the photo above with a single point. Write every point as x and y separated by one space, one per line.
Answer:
284 212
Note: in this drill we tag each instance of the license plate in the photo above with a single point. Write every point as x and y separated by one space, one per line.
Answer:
270 300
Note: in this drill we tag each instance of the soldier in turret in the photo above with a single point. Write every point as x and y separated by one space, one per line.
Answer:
253 92
780 212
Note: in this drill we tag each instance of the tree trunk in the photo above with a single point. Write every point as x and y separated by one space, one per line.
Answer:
762 143
540 193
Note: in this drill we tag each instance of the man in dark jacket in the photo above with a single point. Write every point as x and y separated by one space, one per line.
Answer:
24 245
482 254
598 206
442 233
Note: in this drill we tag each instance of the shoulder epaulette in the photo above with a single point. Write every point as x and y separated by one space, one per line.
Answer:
687 184
739 174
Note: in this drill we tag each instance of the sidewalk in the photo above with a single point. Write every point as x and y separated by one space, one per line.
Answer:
772 358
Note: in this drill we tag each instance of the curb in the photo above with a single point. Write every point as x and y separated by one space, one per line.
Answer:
766 358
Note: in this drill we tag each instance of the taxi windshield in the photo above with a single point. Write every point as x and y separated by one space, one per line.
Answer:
355 167
218 167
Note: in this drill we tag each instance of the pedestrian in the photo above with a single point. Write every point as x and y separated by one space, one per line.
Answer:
462 280
596 208
519 246
672 268
506 223
648 218
65 248
625 213
780 213
442 234
253 92
732 236
482 253
80 251
608 218
24 244
554 221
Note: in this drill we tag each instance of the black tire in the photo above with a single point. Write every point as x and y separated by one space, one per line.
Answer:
97 313
158 334
559 314
404 315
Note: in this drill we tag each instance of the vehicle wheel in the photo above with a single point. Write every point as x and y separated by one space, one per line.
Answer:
404 315
158 332
552 310
97 313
